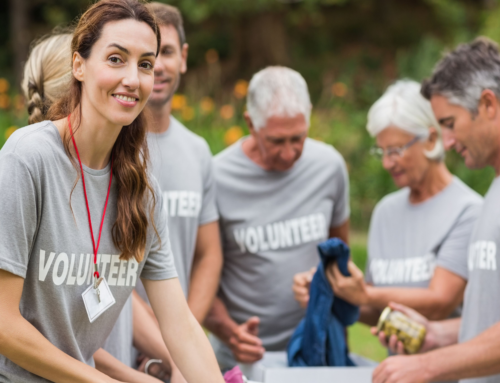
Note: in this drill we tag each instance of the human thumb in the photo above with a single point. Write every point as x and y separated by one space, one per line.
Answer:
253 325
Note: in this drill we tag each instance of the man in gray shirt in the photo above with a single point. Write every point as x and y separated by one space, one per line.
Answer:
182 163
464 91
279 194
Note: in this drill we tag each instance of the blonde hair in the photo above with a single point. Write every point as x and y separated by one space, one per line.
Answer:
47 74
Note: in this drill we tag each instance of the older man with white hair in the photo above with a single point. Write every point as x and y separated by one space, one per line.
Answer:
279 194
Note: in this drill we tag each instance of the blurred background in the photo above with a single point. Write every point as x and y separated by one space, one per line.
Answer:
349 51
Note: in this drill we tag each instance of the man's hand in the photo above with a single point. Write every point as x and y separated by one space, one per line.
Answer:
352 289
302 286
244 342
401 369
396 347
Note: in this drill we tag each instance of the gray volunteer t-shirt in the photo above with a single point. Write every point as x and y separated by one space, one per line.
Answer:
47 242
182 163
482 294
407 241
271 223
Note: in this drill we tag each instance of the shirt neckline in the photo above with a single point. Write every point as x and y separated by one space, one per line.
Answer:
86 169
242 153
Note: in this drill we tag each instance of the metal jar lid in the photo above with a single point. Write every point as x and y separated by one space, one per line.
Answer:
382 319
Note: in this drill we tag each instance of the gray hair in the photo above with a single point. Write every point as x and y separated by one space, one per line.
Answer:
402 106
277 91
463 74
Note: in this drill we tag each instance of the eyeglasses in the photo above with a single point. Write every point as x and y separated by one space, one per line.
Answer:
392 153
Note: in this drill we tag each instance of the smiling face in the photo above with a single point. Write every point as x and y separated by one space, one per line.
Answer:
411 167
170 64
475 138
117 78
281 141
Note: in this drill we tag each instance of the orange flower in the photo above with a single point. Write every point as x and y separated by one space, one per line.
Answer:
240 89
207 105
233 134
4 85
339 89
187 113
9 131
4 101
212 56
227 112
179 101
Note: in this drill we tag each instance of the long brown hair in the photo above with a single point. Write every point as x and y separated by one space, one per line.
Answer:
130 152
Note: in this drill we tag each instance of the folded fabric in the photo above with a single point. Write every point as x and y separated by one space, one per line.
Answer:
319 339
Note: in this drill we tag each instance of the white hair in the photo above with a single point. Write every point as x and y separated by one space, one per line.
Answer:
402 106
277 91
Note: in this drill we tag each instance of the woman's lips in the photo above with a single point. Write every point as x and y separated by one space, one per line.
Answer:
125 101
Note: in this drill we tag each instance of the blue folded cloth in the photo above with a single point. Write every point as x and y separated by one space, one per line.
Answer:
319 339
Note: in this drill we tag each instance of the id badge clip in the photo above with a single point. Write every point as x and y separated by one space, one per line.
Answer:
97 298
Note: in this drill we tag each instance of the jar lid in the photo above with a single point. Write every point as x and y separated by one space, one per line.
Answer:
383 318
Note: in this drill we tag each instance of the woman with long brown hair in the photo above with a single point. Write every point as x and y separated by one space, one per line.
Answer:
81 220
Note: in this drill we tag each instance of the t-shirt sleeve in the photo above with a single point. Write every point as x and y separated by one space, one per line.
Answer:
18 214
341 209
208 211
453 253
159 263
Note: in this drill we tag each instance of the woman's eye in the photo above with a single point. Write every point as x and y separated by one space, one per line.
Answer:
147 65
115 60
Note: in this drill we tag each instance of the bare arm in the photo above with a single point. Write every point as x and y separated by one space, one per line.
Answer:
341 232
219 322
369 315
109 365
479 356
205 274
444 294
24 345
147 334
181 332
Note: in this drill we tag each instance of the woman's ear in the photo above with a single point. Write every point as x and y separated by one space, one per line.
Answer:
432 139
78 66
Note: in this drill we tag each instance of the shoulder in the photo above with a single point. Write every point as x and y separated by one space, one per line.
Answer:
33 144
196 142
323 157
464 195
228 155
321 152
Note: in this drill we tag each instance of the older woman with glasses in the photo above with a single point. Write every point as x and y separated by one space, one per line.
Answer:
418 239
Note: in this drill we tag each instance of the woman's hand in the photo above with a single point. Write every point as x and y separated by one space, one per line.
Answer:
352 289
302 285
396 346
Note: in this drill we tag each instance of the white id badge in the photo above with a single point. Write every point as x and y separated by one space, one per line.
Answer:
92 305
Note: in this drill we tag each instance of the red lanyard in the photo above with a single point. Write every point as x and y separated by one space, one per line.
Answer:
96 272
